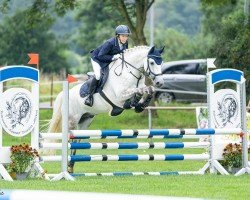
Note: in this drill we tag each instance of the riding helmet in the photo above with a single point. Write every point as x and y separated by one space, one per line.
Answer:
122 30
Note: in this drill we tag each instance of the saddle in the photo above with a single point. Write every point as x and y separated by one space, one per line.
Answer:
85 90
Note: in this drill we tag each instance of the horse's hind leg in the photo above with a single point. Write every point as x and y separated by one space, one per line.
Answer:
83 124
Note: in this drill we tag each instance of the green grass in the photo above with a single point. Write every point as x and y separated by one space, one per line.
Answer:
206 186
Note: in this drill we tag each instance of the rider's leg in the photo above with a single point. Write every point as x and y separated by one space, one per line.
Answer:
94 80
97 69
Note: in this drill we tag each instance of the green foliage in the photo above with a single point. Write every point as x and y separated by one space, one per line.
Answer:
19 38
232 47
233 43
4 6
97 23
214 11
225 22
75 61
180 46
61 7
182 15
38 9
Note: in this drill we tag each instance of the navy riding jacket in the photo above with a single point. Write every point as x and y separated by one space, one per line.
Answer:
104 53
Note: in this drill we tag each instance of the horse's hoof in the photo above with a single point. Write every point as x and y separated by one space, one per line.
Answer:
70 170
139 108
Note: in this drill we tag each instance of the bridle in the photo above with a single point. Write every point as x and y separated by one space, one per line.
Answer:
148 67
146 72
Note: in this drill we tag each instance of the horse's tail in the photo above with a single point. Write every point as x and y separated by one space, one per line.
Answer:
55 125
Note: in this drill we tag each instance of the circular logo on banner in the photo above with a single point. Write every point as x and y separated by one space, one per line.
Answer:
18 112
225 109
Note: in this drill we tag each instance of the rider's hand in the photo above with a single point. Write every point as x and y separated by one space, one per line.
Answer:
116 56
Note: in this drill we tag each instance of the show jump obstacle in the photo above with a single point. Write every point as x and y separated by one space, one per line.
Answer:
19 115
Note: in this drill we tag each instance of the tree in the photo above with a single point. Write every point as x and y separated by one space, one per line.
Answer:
232 47
182 15
19 38
98 20
226 23
134 14
180 46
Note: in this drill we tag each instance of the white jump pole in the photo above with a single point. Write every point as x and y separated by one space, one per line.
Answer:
65 131
245 164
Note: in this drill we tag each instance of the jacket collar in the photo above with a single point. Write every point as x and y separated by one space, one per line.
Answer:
116 41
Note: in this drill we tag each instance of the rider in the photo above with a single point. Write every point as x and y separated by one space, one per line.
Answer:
103 55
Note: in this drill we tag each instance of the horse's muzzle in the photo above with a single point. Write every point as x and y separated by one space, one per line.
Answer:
157 81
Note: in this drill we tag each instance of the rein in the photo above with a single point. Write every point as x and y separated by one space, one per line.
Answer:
145 73
127 63
142 72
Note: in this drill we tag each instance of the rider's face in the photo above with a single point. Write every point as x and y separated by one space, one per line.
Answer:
123 38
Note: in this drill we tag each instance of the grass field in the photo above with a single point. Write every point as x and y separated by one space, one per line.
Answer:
207 186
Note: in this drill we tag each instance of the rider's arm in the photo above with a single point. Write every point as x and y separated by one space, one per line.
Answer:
104 53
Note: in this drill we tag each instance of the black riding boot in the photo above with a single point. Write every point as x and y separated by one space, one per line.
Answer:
92 86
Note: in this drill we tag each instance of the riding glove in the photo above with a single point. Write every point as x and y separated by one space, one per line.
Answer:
116 56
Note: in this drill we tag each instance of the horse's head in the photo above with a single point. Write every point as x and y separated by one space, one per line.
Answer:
152 64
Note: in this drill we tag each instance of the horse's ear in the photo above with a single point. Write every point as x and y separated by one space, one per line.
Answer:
161 50
151 50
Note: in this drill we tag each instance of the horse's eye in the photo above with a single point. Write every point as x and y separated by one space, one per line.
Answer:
151 63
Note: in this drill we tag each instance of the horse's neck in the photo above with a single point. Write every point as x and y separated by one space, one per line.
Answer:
133 64
135 56
123 76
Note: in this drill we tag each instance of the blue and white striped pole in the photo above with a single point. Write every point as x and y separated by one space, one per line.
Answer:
127 157
148 133
127 145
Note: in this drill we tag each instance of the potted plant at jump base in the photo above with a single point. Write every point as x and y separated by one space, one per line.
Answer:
232 155
22 158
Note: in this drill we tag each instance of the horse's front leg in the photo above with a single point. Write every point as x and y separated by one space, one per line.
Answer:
144 102
133 101
138 94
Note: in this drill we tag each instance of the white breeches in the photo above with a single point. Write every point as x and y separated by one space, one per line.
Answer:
97 69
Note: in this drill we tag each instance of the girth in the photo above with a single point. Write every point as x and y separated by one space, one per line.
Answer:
116 110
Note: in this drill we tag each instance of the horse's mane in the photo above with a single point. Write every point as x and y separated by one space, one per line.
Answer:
136 48
133 55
